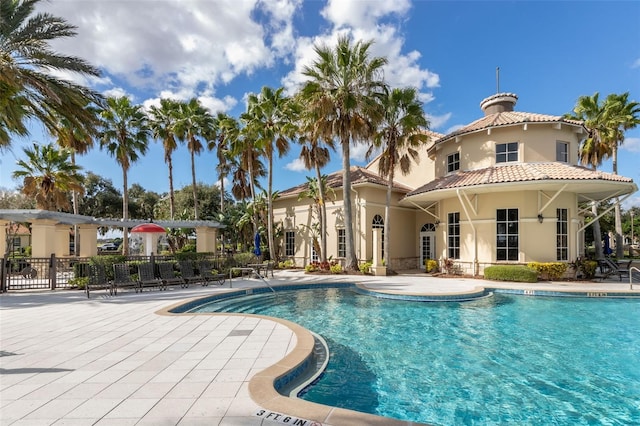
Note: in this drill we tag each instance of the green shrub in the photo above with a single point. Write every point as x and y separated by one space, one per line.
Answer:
79 282
336 269
309 268
365 267
287 264
187 248
241 259
431 265
587 268
516 273
549 270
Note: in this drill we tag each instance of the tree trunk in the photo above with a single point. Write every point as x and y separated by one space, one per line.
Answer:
76 210
193 180
617 213
597 237
387 222
351 259
172 198
270 209
125 213
322 212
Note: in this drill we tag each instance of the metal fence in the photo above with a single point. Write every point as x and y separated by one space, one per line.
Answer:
31 273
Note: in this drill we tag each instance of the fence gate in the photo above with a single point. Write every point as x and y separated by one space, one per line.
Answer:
31 273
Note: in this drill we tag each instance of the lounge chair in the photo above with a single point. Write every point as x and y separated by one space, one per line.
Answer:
624 269
189 274
122 278
209 274
169 277
147 277
98 280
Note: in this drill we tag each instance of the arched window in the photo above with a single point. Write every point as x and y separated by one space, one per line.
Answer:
378 222
428 227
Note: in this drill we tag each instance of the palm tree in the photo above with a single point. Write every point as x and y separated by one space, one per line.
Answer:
27 86
271 117
48 176
163 123
227 130
622 115
316 190
125 136
315 155
194 122
344 83
399 135
605 122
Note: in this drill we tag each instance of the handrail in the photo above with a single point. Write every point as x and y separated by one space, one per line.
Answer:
633 268
263 280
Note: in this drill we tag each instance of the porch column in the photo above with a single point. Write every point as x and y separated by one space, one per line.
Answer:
62 240
206 239
88 239
378 268
3 237
43 238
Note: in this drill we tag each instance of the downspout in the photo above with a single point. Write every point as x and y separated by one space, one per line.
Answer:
476 266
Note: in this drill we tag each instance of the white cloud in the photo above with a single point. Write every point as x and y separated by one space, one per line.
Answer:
437 121
631 144
116 92
358 13
296 165
454 128
188 44
636 63
631 202
358 152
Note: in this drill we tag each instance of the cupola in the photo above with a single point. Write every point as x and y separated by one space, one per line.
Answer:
500 102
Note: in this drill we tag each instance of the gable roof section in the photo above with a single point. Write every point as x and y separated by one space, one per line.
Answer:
359 176
506 118
522 172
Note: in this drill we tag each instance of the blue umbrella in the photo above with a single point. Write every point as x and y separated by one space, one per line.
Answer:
607 245
256 245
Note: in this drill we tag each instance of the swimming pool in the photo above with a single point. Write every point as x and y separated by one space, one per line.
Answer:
504 359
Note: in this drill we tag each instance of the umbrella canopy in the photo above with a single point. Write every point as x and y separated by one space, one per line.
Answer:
151 232
148 228
256 245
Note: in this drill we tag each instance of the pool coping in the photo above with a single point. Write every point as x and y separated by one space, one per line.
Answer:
262 386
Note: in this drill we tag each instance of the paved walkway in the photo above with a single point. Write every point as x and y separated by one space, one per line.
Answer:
66 360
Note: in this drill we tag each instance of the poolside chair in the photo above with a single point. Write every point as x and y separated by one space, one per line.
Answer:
624 269
147 277
169 277
209 274
122 278
189 274
98 280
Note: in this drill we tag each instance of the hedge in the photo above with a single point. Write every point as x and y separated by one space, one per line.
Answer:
516 273
549 270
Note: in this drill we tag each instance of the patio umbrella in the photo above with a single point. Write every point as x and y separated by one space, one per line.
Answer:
607 245
256 245
150 231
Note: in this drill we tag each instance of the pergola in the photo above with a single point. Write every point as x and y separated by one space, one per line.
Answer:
50 231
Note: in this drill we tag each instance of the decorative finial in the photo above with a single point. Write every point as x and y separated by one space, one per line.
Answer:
497 79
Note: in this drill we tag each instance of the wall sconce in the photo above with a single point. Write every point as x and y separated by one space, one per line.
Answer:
437 222
540 218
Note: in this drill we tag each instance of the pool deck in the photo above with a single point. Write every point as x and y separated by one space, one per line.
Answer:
69 360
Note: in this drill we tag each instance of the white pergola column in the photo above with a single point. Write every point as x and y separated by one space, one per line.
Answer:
88 240
206 239
377 268
43 238
3 237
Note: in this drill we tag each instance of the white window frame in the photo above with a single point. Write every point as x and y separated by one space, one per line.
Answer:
453 162
453 235
511 238
509 152
559 153
289 243
342 242
562 234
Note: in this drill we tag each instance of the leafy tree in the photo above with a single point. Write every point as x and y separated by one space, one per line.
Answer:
227 130
142 203
163 120
341 92
124 135
400 134
15 200
101 198
48 176
28 87
194 123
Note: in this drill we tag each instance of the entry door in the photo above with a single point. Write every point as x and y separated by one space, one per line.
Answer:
427 247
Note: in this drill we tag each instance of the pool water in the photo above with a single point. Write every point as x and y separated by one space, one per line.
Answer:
503 359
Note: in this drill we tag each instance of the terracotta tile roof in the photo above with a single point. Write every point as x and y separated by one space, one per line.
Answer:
524 172
359 175
507 118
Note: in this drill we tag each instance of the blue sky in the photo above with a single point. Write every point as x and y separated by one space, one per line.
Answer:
549 54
